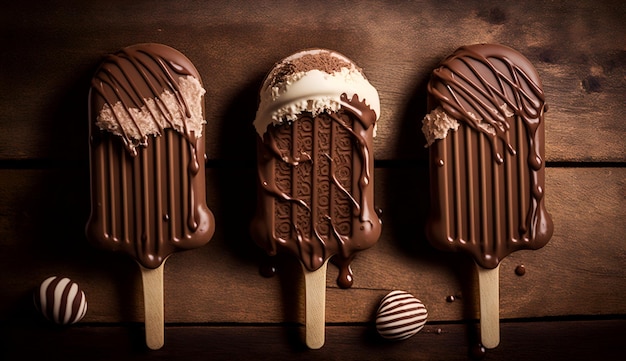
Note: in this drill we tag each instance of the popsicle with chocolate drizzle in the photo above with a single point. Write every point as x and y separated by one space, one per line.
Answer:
148 193
316 123
485 130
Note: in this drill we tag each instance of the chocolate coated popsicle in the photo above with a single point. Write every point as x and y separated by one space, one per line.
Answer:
485 130
147 164
316 123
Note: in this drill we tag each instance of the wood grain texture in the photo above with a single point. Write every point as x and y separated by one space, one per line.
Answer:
569 304
521 341
152 282
489 306
52 49
315 306
580 271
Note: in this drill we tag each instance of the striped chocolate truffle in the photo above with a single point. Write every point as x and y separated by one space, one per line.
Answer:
400 316
61 300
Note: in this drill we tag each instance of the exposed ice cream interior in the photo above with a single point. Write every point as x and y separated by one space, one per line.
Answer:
494 94
315 163
316 122
314 81
143 93
147 148
147 155
437 124
485 133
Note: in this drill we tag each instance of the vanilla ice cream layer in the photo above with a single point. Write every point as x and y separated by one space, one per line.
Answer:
136 124
285 95
437 124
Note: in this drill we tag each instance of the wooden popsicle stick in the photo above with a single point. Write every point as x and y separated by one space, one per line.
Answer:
315 306
153 305
489 294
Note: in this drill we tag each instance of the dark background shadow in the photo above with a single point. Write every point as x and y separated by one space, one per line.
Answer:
409 209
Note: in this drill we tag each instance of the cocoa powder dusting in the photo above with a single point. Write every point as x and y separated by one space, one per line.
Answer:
323 61
281 73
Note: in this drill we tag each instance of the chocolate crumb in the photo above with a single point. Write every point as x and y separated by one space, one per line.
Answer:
323 61
282 73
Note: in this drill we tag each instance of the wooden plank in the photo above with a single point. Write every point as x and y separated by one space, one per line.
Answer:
216 304
528 341
580 272
50 51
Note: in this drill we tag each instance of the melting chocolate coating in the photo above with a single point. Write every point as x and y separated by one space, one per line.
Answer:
487 178
147 201
315 197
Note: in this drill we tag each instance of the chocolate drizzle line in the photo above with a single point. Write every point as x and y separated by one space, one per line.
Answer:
486 100
315 191
148 201
138 73
489 204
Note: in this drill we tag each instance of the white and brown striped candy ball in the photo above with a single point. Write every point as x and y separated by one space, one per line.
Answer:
400 316
61 300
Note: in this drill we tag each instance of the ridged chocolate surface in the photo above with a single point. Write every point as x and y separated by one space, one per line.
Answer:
487 178
316 188
148 200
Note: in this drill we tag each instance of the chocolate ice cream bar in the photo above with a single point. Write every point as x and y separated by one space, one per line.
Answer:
147 158
485 130
316 123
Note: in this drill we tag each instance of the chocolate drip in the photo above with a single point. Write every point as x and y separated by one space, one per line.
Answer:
489 203
149 205
345 278
316 188
477 91
147 201
143 72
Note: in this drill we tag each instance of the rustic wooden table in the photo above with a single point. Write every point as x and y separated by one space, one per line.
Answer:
570 304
